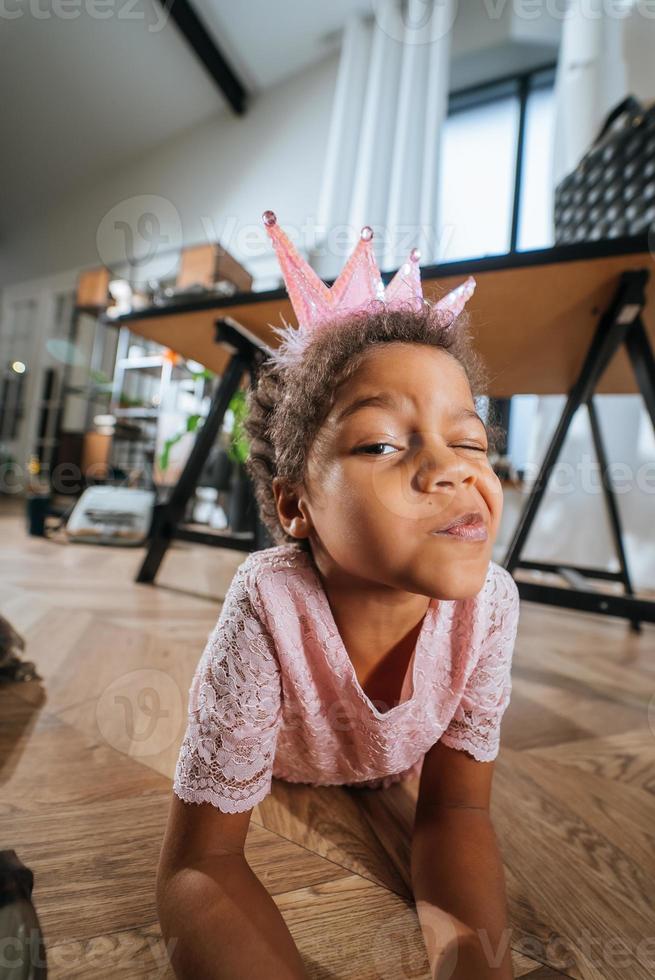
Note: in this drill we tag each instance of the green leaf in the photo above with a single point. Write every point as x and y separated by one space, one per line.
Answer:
239 448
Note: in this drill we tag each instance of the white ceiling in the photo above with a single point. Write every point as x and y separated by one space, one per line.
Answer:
268 40
87 94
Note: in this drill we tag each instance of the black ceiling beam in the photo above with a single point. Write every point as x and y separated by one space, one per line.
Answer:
207 51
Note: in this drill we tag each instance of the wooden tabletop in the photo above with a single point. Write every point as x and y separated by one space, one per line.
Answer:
533 314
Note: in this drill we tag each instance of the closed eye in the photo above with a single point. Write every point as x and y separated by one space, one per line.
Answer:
480 449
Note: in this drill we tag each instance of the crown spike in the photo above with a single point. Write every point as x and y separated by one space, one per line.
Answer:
455 301
405 288
358 287
359 282
309 295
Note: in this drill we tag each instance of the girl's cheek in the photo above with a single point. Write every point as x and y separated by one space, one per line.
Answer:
493 492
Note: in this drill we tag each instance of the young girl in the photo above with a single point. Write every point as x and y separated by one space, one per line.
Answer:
373 642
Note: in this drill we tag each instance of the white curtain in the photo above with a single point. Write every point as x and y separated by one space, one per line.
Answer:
382 160
607 52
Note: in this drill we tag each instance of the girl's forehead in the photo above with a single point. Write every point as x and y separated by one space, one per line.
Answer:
407 369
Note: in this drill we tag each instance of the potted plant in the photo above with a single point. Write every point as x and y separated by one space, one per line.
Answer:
241 509
192 423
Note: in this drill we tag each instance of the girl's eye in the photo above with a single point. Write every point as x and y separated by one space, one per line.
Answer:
374 445
370 449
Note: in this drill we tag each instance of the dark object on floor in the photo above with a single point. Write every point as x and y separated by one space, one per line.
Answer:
38 508
21 939
12 668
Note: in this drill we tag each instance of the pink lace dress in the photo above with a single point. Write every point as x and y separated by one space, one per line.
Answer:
275 694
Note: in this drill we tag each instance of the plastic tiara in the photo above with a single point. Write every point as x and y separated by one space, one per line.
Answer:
358 287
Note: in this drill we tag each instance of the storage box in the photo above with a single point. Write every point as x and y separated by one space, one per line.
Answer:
93 289
205 264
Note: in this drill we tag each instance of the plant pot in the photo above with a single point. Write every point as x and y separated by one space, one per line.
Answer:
241 511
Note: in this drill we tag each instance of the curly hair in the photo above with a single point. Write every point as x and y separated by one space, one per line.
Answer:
286 407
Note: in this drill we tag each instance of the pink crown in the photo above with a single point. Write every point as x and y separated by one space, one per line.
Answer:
358 287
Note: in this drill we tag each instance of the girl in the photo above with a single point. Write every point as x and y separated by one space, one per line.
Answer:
373 642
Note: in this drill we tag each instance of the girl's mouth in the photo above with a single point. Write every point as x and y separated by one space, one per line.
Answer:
465 532
471 528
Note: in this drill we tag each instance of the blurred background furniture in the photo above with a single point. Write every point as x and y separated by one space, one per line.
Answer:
576 319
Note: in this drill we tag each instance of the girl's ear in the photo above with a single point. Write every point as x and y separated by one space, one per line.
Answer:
290 511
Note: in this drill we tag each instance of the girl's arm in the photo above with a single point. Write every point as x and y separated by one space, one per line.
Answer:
457 871
217 919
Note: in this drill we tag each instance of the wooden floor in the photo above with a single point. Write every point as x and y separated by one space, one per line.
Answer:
87 758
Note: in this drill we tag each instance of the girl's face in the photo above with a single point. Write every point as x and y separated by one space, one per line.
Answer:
401 454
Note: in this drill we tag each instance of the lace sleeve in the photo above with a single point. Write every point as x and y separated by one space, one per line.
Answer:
234 713
475 726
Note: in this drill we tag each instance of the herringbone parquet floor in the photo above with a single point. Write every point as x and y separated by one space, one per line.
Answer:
87 756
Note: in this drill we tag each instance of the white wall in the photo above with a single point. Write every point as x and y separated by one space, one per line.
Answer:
210 183
221 174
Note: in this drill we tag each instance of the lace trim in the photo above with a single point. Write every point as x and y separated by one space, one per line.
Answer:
475 726
235 709
237 706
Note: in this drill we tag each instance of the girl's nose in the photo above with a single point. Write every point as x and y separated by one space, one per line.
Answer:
442 469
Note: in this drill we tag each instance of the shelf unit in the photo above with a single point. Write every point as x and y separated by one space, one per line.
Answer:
154 379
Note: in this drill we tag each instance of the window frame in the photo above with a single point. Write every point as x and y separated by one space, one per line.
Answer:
521 85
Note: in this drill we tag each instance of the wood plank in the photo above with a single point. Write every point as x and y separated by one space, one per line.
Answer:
532 324
85 806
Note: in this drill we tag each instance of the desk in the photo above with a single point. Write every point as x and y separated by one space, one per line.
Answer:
573 319
533 313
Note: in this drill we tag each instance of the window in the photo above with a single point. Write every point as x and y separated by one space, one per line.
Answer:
495 193
496 197
535 207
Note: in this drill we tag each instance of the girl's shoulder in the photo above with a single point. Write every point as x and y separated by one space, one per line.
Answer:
498 600
270 569
276 577
280 557
500 585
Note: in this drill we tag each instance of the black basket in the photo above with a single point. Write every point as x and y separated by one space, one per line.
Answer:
611 193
